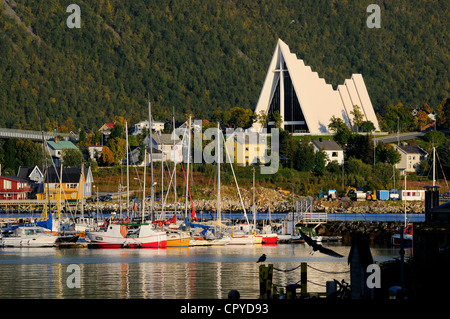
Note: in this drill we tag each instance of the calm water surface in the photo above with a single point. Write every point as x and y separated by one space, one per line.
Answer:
172 273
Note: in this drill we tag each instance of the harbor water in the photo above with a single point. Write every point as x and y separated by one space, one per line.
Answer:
172 273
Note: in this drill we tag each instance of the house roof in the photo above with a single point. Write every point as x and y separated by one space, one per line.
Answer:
61 145
164 139
327 145
411 149
15 178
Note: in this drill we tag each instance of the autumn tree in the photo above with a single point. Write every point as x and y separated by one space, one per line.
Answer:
107 157
422 119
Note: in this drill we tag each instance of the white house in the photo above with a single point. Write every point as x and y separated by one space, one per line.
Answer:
331 148
411 156
138 127
167 144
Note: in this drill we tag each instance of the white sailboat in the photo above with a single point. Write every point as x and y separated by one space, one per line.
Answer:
244 235
208 235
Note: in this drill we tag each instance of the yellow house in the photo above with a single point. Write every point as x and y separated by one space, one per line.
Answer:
247 148
75 184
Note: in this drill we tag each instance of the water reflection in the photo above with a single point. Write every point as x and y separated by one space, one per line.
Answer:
176 273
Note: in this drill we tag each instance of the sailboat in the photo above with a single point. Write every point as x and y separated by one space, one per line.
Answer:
266 236
208 234
128 235
244 235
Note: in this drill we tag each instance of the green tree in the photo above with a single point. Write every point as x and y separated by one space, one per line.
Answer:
340 130
385 153
262 118
304 156
117 146
240 118
319 163
72 157
358 117
367 126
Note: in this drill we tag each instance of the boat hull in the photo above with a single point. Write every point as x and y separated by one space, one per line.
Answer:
242 240
116 237
178 240
269 238
396 240
29 242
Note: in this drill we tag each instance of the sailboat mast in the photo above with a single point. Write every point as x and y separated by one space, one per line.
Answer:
219 214
174 168
405 198
150 145
434 166
128 182
187 174
253 207
162 179
143 195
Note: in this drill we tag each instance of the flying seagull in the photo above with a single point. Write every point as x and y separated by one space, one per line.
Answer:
262 258
318 247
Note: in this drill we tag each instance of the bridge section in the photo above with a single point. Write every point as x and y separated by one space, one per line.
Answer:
6 133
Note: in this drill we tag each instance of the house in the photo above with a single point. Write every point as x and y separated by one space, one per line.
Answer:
411 156
331 148
138 127
75 183
56 149
33 174
106 128
166 143
14 188
134 157
246 148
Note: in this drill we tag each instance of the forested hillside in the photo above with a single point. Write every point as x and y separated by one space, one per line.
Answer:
199 55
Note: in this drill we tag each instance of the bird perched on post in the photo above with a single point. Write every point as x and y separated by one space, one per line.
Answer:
262 258
318 247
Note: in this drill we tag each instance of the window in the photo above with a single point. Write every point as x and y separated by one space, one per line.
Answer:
334 154
7 184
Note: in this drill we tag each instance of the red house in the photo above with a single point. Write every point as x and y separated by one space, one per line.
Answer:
14 188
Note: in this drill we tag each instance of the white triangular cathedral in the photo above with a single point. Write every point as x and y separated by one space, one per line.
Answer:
304 100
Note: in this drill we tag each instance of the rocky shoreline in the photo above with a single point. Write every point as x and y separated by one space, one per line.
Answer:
205 199
281 206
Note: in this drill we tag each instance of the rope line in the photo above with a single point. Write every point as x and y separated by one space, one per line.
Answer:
328 272
287 270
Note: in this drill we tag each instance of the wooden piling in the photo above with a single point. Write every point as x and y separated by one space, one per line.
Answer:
304 279
265 281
